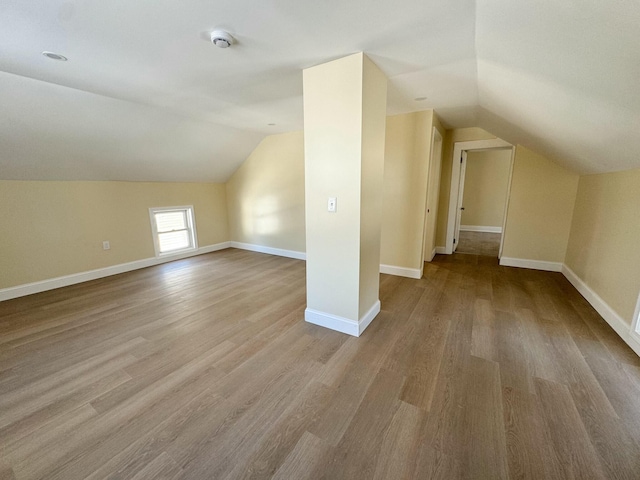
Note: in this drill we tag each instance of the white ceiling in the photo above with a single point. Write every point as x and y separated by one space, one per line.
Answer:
144 95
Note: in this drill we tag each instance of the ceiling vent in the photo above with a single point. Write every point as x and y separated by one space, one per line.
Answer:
54 56
221 39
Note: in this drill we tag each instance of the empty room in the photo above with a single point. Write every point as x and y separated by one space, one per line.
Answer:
319 240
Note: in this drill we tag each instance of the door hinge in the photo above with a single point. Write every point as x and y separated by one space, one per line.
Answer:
454 241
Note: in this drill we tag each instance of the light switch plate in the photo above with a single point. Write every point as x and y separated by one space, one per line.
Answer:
332 204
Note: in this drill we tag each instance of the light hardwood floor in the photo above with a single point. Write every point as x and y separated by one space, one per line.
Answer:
204 369
479 243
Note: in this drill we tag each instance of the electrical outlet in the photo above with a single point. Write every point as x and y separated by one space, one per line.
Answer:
106 245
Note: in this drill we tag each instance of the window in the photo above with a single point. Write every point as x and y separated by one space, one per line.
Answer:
174 229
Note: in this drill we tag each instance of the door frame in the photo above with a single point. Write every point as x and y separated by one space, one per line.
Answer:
435 135
458 218
454 192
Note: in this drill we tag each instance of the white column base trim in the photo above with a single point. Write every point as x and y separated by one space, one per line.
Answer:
532 264
270 250
622 328
388 269
441 251
480 228
74 278
400 271
341 324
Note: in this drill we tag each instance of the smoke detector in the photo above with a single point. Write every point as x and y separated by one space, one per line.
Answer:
221 39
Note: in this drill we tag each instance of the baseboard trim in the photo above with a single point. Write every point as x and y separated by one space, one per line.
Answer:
74 278
341 324
388 269
433 254
532 264
480 228
400 271
270 250
622 328
441 250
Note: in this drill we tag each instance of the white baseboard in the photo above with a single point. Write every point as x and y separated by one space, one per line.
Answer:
74 278
341 324
441 250
388 269
532 264
433 254
270 250
400 271
622 328
480 228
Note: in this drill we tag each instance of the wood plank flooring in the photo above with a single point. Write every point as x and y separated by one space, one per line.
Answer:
479 243
204 369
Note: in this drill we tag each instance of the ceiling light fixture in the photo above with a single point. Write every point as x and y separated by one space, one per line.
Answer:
420 99
54 56
271 124
221 39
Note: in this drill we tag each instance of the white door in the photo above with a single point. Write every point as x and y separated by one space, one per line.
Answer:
463 168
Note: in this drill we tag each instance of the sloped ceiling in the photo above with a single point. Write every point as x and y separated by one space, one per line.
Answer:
145 96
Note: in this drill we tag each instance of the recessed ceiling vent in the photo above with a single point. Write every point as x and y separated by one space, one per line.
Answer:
221 39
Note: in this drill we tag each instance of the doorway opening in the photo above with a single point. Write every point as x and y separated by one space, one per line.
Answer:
479 196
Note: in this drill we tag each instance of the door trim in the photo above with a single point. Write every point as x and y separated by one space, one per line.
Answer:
458 148
458 221
436 136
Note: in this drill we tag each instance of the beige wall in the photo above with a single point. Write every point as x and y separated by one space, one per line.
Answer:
374 117
406 163
603 245
275 171
344 118
51 229
485 187
540 208
452 136
330 157
265 196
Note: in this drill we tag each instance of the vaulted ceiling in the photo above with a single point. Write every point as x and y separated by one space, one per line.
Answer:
145 95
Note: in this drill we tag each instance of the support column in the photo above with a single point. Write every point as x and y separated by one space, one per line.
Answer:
344 132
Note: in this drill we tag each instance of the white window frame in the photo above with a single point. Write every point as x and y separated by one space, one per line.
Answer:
191 228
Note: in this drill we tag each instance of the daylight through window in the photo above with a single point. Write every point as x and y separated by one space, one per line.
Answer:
173 229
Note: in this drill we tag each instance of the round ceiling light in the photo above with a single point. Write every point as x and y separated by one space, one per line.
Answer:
221 39
54 56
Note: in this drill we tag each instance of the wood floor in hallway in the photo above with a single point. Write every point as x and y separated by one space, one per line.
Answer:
203 369
479 243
